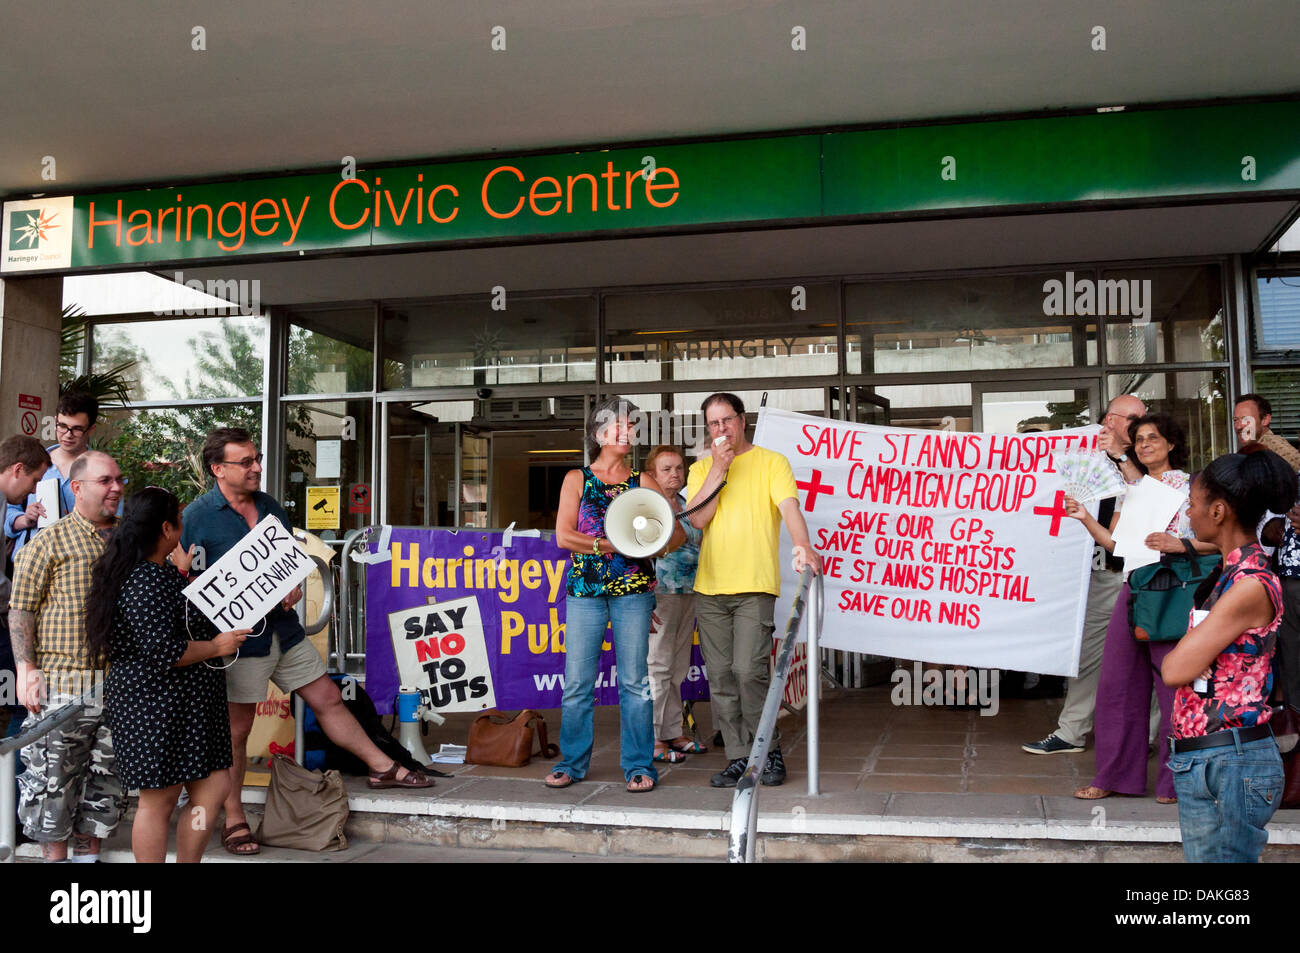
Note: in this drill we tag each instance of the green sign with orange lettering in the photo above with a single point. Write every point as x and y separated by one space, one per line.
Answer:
1215 151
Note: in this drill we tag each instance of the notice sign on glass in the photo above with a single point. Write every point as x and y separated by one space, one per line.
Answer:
252 578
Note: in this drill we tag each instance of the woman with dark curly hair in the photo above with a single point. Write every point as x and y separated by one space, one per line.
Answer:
167 711
1225 761
1129 668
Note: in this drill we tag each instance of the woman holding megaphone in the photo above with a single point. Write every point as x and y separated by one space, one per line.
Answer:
605 589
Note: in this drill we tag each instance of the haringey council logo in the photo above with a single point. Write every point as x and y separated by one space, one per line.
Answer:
29 228
37 235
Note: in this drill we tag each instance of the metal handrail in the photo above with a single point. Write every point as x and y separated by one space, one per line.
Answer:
744 804
9 748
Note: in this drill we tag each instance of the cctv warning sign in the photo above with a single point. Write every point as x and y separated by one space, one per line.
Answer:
322 507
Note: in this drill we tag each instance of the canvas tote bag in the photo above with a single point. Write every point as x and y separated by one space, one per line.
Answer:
305 809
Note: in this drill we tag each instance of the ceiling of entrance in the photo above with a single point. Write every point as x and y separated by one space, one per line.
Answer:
116 94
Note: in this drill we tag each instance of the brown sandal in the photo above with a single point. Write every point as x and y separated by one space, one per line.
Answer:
232 840
1092 793
389 779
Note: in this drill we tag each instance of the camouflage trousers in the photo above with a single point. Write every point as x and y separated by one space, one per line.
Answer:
70 785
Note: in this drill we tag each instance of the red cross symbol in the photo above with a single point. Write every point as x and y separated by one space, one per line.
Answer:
1056 511
814 487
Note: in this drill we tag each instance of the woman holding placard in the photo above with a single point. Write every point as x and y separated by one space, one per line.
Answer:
1129 668
1225 761
165 706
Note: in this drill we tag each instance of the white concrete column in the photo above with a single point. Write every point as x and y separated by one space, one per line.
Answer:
30 321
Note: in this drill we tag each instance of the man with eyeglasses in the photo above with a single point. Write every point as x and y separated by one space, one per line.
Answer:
69 790
1251 416
1103 589
74 419
278 649
739 576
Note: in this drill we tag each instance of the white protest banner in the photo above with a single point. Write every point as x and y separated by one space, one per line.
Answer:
939 546
440 649
252 578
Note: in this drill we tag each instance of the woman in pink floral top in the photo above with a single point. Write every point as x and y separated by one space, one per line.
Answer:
1225 763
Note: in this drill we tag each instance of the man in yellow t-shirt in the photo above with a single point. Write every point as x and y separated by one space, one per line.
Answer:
739 575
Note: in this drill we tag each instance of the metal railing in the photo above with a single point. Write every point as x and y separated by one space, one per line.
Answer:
311 628
744 804
8 757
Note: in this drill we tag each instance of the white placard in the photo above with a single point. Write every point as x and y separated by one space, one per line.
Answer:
941 547
47 494
329 459
252 578
1149 506
441 650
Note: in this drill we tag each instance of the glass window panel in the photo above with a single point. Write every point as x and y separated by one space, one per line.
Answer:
729 333
956 324
1025 409
1281 388
421 462
163 447
1180 318
202 357
1279 313
316 454
1196 399
929 406
331 351
467 343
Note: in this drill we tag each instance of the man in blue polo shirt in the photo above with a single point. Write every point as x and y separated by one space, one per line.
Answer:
277 650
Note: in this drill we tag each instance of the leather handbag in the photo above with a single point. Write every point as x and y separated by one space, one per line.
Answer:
497 739
304 809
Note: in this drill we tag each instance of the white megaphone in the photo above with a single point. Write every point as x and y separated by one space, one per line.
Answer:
639 523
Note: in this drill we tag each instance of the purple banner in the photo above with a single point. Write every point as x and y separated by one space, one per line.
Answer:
520 590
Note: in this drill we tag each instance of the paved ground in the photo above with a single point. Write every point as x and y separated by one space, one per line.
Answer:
916 775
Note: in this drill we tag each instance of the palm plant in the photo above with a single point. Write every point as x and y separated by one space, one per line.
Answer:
109 385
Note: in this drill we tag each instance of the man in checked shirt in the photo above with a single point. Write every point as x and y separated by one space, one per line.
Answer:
70 789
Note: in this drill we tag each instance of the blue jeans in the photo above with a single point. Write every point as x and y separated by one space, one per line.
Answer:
1226 796
586 619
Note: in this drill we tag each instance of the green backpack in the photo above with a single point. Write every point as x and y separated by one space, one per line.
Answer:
1162 595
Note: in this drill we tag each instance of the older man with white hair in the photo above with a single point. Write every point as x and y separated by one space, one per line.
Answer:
1103 589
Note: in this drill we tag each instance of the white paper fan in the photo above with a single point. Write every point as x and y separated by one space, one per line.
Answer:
1089 476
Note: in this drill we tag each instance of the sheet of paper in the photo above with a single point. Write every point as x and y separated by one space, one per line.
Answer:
1148 508
47 494
329 459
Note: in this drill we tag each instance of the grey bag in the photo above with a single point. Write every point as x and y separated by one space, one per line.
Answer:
305 809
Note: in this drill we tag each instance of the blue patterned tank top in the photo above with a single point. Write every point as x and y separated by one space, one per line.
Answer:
610 574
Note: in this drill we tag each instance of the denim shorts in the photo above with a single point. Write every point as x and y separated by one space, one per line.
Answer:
1226 796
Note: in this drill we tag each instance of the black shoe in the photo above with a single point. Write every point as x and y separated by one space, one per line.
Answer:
717 739
728 776
774 770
